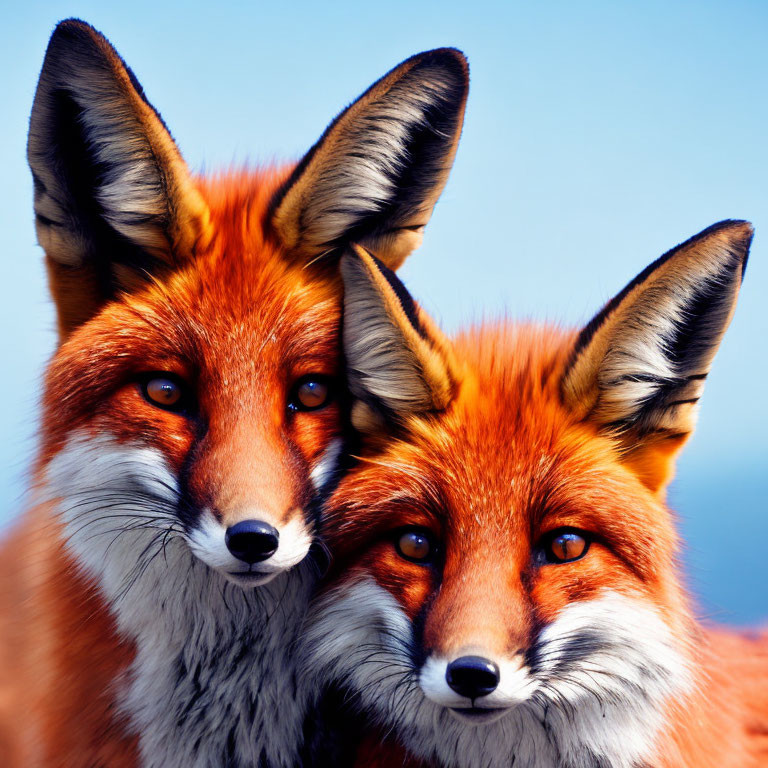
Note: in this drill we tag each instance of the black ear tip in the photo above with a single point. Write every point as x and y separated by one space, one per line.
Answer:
450 56
451 59
78 34
75 28
73 23
739 229
734 234
747 233
740 234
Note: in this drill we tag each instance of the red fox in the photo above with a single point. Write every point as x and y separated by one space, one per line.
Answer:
152 596
505 587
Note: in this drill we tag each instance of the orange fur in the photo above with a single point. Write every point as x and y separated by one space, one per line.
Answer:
503 464
513 458
229 287
248 325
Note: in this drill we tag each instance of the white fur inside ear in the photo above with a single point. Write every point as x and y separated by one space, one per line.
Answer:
131 193
131 189
380 361
360 179
646 360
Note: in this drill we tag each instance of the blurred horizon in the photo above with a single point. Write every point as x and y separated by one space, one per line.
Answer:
598 136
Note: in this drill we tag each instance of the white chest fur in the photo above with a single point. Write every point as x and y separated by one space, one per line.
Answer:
213 682
216 686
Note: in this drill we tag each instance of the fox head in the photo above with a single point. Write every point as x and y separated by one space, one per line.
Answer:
194 401
505 582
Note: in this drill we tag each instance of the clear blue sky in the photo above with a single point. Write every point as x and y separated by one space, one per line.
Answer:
598 135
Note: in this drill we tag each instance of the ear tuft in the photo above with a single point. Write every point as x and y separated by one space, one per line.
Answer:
112 193
397 362
377 172
638 368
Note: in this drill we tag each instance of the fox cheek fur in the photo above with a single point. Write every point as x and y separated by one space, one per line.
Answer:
506 584
191 412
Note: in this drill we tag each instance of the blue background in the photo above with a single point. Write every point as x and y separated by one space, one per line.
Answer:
598 135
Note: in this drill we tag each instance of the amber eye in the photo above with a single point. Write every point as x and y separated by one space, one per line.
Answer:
566 546
415 545
165 391
310 393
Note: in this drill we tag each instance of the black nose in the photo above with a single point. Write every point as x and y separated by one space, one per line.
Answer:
472 676
252 541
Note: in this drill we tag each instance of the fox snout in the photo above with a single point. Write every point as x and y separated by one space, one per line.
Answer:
474 684
253 550
249 526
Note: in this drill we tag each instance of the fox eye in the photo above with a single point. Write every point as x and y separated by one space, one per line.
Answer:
310 393
415 545
165 390
566 546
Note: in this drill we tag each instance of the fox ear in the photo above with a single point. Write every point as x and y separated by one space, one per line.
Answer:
376 173
113 198
398 363
638 368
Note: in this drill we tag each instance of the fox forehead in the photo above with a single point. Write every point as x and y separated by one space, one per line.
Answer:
240 290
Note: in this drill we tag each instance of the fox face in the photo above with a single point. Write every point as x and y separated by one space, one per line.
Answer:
505 580
194 400
208 408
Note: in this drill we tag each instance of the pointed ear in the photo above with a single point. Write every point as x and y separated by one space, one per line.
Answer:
638 368
398 363
114 202
375 175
